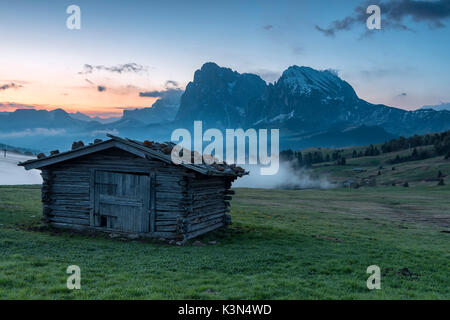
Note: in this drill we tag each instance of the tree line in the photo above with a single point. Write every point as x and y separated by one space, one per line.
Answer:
440 142
307 159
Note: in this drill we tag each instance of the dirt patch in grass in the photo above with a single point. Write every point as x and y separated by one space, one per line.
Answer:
411 208
418 215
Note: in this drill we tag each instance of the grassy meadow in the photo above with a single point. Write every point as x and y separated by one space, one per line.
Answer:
416 173
283 244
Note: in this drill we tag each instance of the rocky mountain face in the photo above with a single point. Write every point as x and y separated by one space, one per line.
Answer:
302 101
219 96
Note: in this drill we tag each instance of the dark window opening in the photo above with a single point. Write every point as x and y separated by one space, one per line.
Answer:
103 221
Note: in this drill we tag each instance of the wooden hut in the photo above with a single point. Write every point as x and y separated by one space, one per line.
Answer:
126 186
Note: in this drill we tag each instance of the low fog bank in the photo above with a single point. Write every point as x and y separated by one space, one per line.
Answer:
286 178
12 174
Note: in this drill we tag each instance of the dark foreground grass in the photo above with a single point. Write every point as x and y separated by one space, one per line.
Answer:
304 244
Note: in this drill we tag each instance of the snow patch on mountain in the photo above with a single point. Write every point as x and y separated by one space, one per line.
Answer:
302 80
282 117
439 107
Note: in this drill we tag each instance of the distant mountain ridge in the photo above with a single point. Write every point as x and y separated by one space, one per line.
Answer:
23 119
81 116
438 107
310 107
302 100
48 130
163 110
24 151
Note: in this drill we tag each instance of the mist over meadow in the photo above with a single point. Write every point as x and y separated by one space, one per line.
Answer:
287 177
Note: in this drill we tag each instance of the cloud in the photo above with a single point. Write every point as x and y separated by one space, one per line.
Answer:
10 85
160 93
151 94
267 75
287 177
334 72
393 14
127 108
401 95
34 132
120 68
100 88
327 32
297 50
171 83
382 72
171 89
400 98
344 24
104 132
125 89
431 11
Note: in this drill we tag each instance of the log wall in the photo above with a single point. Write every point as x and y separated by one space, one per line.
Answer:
185 204
208 198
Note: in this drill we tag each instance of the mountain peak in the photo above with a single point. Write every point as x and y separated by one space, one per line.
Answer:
304 80
207 66
210 72
219 94
310 72
59 111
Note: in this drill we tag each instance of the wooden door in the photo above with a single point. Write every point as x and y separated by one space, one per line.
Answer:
122 201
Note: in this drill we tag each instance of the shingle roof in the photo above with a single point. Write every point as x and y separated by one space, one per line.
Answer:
146 149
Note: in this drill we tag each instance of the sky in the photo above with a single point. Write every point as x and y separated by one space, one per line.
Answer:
126 48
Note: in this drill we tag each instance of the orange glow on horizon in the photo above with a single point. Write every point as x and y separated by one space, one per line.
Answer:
86 99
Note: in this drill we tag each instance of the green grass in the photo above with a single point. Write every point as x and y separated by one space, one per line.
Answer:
281 246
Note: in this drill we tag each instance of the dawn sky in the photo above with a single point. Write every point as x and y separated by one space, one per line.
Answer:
127 47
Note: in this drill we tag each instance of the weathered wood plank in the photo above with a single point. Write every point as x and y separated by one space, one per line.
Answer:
165 223
69 214
197 226
196 233
153 199
77 221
